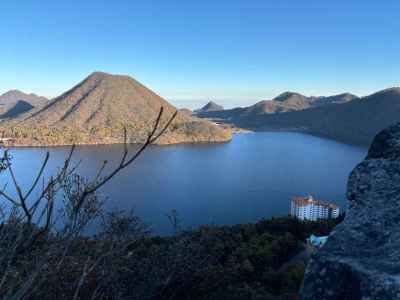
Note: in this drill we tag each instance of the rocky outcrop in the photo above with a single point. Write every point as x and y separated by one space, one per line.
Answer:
361 259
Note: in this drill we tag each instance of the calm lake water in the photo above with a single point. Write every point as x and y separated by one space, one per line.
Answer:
253 177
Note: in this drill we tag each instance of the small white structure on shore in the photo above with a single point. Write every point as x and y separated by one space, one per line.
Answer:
5 140
313 210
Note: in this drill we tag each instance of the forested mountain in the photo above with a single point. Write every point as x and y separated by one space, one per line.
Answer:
285 102
343 117
96 111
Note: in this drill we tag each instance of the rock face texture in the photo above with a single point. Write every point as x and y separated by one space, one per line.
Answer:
361 260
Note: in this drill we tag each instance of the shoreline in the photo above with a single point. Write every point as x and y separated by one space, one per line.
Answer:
5 145
235 130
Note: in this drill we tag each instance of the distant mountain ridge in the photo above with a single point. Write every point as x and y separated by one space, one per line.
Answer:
97 109
11 98
291 101
285 102
343 117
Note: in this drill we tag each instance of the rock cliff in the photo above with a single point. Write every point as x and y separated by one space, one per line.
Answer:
361 259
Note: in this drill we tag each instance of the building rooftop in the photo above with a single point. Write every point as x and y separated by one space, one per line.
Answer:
304 201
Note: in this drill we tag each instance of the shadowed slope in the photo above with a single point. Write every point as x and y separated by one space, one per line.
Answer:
19 108
10 99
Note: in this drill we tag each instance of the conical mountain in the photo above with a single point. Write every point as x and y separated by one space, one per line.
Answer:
101 100
211 106
96 111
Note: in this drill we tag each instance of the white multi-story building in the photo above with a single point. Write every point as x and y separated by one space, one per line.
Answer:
313 210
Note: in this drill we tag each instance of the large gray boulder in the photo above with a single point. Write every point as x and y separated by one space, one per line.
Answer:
361 259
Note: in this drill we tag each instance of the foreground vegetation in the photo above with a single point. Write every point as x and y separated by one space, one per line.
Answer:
45 254
247 261
126 262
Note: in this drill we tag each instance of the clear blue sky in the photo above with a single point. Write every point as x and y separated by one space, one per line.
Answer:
235 52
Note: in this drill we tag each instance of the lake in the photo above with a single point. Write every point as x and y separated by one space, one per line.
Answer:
253 177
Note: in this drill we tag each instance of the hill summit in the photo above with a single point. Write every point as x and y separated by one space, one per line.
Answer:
211 106
97 109
13 96
290 96
11 101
